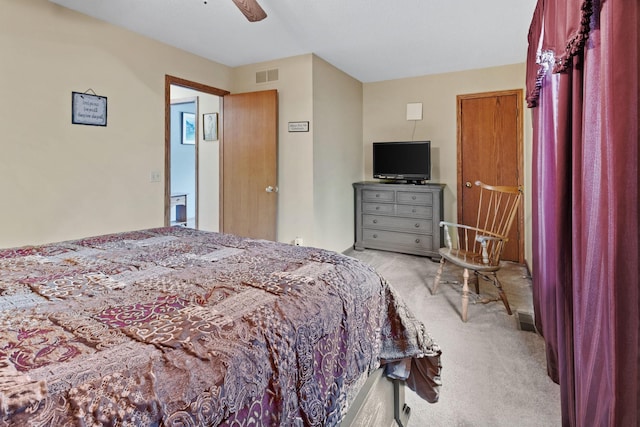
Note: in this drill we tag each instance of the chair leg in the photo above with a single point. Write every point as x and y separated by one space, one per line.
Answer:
465 294
501 293
436 280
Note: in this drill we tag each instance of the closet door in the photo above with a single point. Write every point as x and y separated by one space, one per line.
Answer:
490 149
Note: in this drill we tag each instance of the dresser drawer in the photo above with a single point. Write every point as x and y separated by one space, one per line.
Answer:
378 195
425 212
380 208
411 225
178 200
381 238
411 197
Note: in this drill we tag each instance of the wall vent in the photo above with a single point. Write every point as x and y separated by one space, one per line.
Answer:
526 321
265 76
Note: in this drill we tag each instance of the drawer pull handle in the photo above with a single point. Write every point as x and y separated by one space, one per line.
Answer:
375 221
417 225
375 236
417 240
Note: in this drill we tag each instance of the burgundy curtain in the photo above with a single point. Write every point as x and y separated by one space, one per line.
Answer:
582 82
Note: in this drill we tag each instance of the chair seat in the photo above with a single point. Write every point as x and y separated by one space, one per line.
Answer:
467 259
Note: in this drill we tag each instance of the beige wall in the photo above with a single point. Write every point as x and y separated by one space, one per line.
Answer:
337 154
62 181
384 118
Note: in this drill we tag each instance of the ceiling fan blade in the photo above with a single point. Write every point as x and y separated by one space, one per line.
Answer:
251 9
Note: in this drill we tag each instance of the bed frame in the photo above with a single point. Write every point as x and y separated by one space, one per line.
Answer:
380 402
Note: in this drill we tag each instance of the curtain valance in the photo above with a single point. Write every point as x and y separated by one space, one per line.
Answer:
558 32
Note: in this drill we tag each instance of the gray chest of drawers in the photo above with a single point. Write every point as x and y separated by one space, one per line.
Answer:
399 217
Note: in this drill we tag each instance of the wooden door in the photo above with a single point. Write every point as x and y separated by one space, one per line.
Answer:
490 150
249 164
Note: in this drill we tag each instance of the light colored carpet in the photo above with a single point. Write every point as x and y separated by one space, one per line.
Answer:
494 374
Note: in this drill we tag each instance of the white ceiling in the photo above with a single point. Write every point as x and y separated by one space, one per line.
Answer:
371 40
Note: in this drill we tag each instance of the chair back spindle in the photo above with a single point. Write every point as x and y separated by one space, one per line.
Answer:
497 209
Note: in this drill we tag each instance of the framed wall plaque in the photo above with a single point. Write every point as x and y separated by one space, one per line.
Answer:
87 109
298 126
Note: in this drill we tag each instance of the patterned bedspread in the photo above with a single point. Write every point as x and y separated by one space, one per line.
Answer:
179 327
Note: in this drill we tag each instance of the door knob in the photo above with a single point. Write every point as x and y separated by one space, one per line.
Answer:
467 184
271 189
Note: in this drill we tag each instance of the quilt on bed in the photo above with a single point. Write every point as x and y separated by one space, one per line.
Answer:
179 327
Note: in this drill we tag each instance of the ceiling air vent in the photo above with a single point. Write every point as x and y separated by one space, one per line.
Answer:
266 76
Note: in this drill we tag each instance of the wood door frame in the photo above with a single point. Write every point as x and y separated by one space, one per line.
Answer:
520 153
177 81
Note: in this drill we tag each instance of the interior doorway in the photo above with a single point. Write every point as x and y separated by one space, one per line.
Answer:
192 163
490 149
241 167
184 162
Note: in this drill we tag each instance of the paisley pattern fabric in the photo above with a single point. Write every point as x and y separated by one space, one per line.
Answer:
178 327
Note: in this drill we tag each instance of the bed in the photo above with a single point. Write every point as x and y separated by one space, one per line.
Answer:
179 327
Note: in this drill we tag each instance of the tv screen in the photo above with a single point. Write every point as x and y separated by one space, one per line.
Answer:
402 160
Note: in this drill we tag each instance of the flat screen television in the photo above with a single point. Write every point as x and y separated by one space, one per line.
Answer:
408 161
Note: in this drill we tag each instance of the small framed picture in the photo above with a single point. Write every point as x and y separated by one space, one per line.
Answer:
188 128
87 109
210 126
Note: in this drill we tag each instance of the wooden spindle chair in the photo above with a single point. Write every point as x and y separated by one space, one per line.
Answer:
478 247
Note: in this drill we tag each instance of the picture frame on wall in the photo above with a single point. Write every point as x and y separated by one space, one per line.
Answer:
210 126
88 109
188 128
